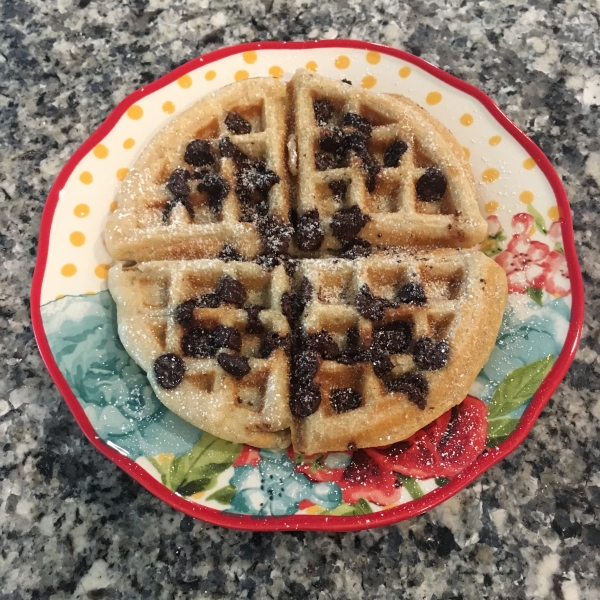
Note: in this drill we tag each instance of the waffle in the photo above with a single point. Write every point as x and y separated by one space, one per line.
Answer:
165 309
408 175
401 359
162 215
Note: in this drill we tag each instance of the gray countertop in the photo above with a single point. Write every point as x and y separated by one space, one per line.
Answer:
73 525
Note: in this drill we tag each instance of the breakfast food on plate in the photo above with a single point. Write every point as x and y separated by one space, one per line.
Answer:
292 266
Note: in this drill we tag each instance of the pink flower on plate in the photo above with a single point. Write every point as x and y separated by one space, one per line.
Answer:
557 279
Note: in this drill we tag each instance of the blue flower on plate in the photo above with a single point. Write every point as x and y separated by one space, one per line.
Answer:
274 488
112 389
529 332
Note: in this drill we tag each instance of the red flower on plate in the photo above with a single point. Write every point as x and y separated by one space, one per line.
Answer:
443 448
248 456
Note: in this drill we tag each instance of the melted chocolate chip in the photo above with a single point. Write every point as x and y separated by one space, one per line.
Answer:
347 222
346 81
254 324
229 150
323 111
393 338
394 153
276 234
361 124
255 177
169 370
171 204
178 183
357 248
237 124
216 188
229 253
370 306
292 305
231 291
305 366
309 234
227 337
338 189
382 363
198 153
429 355
305 400
233 364
208 301
322 343
344 399
271 341
290 265
198 342
411 293
287 307
332 140
414 385
431 186
325 161
184 313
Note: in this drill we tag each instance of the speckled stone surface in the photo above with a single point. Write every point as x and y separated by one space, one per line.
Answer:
72 525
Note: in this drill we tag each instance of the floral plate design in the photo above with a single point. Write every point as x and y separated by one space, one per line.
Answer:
233 485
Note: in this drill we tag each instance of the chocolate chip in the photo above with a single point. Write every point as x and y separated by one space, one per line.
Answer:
322 343
411 293
393 338
346 81
344 399
305 366
292 305
305 400
216 188
171 204
309 234
255 177
351 354
254 324
271 341
325 161
169 370
338 189
290 265
237 124
178 183
323 111
357 248
414 385
276 234
229 253
198 342
347 222
233 364
332 140
382 363
370 306
231 291
198 153
208 301
372 169
393 154
184 313
431 186
287 307
229 150
227 337
359 123
429 355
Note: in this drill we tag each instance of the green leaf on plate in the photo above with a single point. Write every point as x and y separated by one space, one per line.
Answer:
223 495
412 486
517 387
536 294
539 220
343 509
559 247
499 430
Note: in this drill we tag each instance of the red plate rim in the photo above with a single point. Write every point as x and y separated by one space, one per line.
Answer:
316 522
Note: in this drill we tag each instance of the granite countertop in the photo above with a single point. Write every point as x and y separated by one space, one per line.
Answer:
73 525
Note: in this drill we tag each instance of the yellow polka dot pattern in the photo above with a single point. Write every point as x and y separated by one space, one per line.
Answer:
368 82
491 207
113 206
490 175
467 152
101 271
168 107
135 112
529 164
77 238
494 140
373 58
404 72
185 82
276 71
526 197
241 74
81 210
68 270
129 143
342 62
311 65
466 120
433 98
250 57
86 178
122 173
100 151
210 75
553 213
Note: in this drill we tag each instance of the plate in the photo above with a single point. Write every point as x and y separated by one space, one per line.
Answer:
530 235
